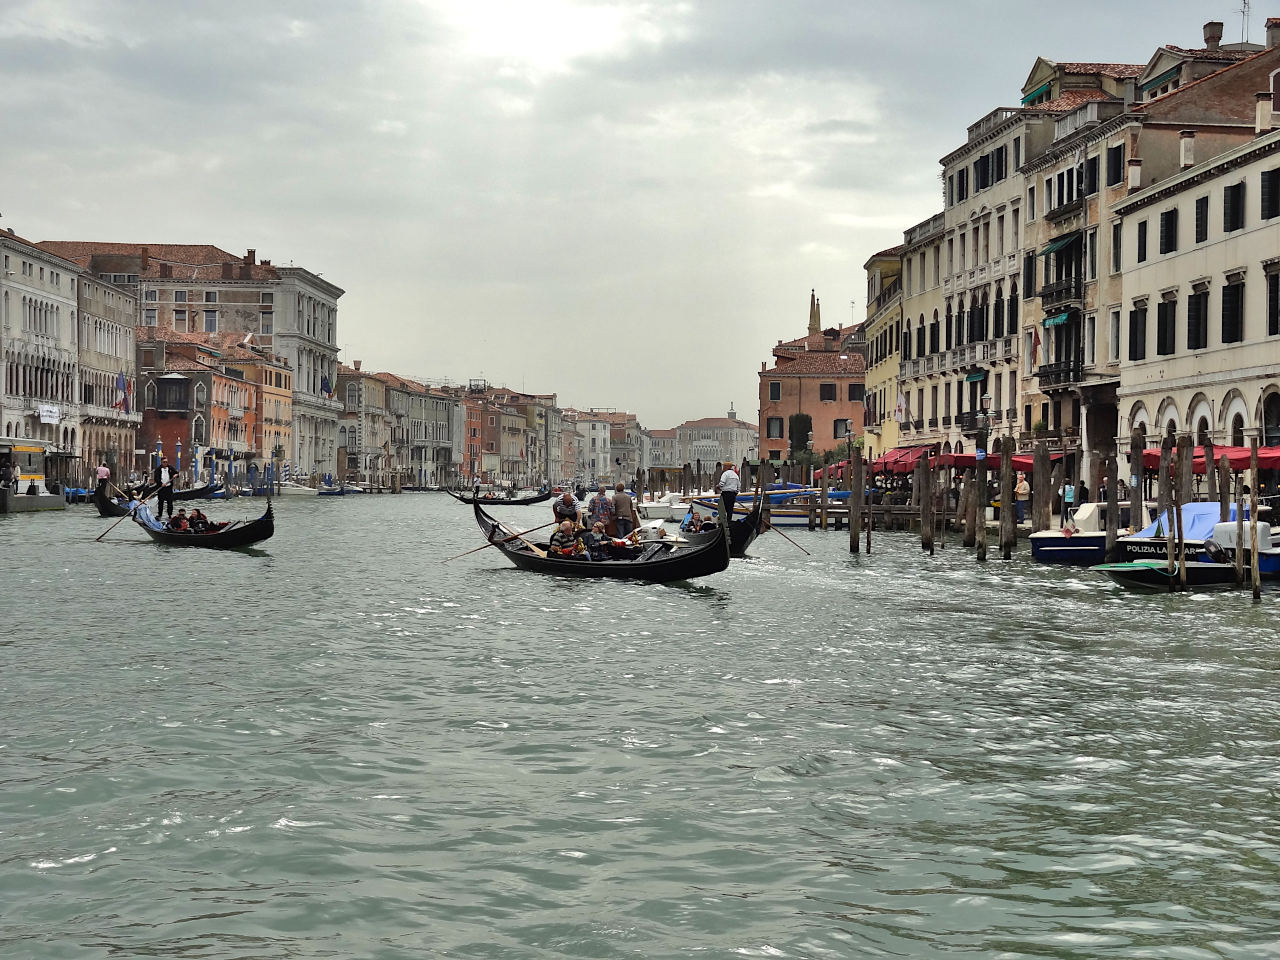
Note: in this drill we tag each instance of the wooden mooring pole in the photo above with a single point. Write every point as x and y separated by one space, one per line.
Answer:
927 479
970 509
1113 507
1253 520
1239 530
857 477
1137 481
1041 489
1008 509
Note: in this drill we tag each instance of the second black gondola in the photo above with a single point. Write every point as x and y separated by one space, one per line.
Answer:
490 501
742 531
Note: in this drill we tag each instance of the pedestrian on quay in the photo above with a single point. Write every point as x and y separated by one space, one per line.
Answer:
1021 495
624 510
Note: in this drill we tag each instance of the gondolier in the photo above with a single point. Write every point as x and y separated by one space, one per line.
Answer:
728 487
162 478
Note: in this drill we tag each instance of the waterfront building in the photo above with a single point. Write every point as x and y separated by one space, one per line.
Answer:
595 457
201 288
821 374
39 338
712 440
193 402
922 415
271 437
625 447
109 414
885 408
1201 293
664 450
364 433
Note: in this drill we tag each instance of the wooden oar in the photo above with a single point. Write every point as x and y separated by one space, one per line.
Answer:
514 536
788 539
537 551
125 517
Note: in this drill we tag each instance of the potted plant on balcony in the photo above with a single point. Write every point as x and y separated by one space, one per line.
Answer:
1039 429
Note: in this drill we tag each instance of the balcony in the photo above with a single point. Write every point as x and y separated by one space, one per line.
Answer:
1065 210
1059 375
933 423
1061 292
946 421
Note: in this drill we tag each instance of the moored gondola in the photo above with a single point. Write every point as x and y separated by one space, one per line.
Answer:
742 531
229 536
197 493
656 562
490 501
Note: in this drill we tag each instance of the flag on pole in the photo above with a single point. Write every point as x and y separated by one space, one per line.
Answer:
122 392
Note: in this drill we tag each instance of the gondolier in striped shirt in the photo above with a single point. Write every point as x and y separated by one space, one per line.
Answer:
728 487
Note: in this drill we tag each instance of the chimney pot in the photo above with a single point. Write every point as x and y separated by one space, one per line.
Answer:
355 364
1135 173
249 256
1212 34
1273 33
146 260
1264 112
1187 149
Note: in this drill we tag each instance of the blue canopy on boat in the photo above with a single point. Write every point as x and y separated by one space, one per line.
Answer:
1197 521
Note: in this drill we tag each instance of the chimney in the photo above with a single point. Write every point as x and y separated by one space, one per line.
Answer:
146 260
355 365
1273 32
166 270
1135 173
226 272
1186 149
249 256
266 263
1212 34
1264 112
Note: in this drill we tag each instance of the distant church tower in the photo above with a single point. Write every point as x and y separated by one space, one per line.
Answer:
815 314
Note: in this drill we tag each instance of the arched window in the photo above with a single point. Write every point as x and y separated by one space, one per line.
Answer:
149 394
198 433
202 394
997 315
906 342
353 395
1237 431
1202 431
920 338
1271 420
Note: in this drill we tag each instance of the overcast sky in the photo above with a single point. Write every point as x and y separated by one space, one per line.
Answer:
622 203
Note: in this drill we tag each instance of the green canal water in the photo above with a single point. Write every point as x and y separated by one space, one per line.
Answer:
341 748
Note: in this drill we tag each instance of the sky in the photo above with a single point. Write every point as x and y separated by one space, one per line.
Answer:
623 203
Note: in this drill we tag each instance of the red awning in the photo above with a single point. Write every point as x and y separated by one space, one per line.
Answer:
963 461
1237 458
900 459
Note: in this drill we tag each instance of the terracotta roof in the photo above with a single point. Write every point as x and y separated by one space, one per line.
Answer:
663 434
707 422
190 261
618 418
173 364
1073 99
849 365
890 251
1214 76
1204 53
1123 71
816 342
169 335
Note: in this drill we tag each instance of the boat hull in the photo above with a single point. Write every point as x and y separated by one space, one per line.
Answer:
1079 549
742 533
1153 575
234 537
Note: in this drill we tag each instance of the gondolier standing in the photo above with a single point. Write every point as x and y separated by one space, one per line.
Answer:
728 487
163 479
103 474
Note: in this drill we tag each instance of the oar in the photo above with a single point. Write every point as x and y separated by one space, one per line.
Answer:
125 517
538 551
514 536
788 539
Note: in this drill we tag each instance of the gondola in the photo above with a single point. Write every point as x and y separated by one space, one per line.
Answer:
501 501
196 493
109 506
742 531
232 536
657 562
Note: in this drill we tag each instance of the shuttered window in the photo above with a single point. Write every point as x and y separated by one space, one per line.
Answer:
1166 316
1169 231
1138 333
1115 164
1202 219
1198 320
1273 304
1233 207
1270 193
1091 176
1142 242
1028 274
1233 313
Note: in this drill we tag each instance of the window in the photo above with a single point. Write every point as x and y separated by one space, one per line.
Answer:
1028 274
493 421
775 390
1142 241
266 322
1091 255
1116 246
1233 207
857 392
1091 176
1198 320
267 298
180 321
152 295
1169 231
1090 339
1031 203
773 428
179 296
211 296
826 391
839 428
1273 303
1138 333
149 317
202 394
211 321
1113 335
1017 152
1233 312
1202 219
1166 315
1270 193
1115 164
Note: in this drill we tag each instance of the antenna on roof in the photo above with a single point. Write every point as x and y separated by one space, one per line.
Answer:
1244 21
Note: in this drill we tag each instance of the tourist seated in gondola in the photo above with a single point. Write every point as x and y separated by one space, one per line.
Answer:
198 522
178 523
708 524
693 524
565 542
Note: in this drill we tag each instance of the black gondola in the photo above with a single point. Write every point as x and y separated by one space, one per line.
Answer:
231 536
657 562
196 493
490 501
742 531
109 506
